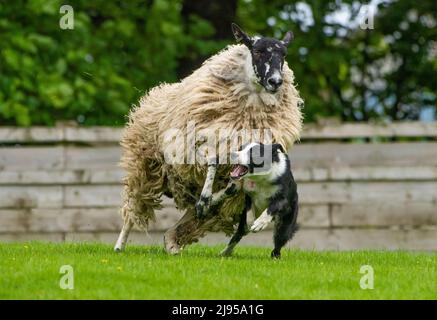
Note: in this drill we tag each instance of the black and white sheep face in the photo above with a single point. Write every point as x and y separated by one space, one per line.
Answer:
268 57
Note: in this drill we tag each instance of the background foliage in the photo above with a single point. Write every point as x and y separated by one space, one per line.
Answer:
118 49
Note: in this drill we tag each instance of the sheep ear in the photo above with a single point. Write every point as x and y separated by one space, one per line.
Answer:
288 38
279 147
241 36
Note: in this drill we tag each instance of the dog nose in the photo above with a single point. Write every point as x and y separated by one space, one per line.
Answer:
275 82
234 157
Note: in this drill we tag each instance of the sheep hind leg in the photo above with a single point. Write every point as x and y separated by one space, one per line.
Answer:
124 234
186 231
171 242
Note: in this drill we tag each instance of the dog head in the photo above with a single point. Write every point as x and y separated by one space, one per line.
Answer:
257 159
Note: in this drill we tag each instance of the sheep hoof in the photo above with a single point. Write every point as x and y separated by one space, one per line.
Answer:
202 207
171 245
173 249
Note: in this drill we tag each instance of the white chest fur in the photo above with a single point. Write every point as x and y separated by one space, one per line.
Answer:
260 190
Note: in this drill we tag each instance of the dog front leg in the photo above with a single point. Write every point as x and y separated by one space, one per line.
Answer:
267 216
242 230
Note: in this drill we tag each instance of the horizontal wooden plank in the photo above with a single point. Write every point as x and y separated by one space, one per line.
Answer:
60 220
102 157
108 219
32 134
364 130
76 220
421 239
61 177
330 155
60 134
309 239
31 158
367 192
59 157
93 135
387 154
365 173
32 236
390 173
310 193
14 220
314 216
31 197
96 196
115 175
92 196
75 196
311 131
384 214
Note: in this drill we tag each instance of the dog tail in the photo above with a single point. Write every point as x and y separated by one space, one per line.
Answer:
293 229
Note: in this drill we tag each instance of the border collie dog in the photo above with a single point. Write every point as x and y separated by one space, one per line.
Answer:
264 174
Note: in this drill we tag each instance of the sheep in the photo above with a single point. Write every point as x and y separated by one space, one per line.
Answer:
244 87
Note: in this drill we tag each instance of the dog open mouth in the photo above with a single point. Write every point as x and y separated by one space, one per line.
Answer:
239 171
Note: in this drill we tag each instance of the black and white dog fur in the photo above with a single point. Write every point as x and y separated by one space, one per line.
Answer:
264 174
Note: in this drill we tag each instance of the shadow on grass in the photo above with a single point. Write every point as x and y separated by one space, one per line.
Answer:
195 251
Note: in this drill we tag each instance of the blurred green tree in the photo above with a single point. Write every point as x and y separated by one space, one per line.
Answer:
120 49
387 72
92 74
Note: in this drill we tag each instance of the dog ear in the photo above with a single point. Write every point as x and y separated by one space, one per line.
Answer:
278 147
241 36
288 38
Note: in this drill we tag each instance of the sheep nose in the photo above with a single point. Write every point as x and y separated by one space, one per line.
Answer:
275 82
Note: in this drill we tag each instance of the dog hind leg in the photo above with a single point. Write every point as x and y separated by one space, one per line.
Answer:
242 230
285 228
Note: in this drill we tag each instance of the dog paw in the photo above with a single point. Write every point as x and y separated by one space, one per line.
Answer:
276 254
226 252
261 223
202 206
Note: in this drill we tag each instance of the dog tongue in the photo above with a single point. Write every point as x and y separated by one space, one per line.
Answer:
238 171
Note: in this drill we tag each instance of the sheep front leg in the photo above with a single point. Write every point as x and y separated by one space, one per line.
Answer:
208 200
204 202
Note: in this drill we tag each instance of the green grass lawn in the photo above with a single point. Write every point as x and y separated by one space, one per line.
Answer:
31 271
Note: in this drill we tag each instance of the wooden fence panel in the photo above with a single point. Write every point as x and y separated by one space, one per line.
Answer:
36 158
384 154
365 130
65 183
31 197
328 131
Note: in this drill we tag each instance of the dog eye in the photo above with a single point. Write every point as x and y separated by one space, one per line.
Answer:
257 53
